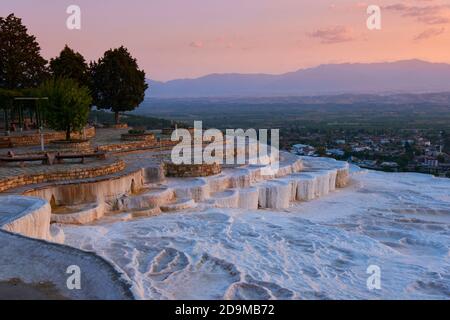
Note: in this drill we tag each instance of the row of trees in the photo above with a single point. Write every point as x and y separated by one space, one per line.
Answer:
72 86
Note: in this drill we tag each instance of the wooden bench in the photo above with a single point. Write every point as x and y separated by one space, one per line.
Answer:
61 157
51 158
11 157
6 144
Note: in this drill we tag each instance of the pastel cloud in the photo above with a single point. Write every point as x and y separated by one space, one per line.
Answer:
431 14
220 42
196 44
430 33
334 34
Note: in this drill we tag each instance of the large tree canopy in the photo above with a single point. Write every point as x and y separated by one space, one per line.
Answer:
70 64
117 82
21 65
68 104
7 97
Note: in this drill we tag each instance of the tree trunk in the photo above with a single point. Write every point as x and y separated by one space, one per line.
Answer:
117 117
6 122
68 133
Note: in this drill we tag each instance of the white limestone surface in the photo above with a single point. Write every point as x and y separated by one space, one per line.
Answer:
318 249
225 199
248 198
28 216
342 169
153 197
82 215
36 262
274 194
90 191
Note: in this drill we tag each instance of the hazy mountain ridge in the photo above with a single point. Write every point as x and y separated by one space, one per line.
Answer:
435 98
408 76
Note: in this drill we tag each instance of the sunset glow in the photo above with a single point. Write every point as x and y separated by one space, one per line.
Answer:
179 38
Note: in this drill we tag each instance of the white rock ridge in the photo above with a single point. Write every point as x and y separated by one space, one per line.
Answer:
26 215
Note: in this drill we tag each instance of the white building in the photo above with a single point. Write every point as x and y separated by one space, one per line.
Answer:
336 152
303 150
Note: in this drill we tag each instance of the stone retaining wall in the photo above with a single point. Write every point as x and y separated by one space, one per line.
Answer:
148 137
169 131
35 138
118 126
191 170
136 145
63 175
127 146
73 145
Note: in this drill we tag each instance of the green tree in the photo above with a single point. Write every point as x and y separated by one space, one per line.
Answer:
7 97
70 64
68 104
6 104
446 137
117 82
347 151
321 151
21 64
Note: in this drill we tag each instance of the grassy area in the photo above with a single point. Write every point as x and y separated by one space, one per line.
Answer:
248 113
132 120
329 118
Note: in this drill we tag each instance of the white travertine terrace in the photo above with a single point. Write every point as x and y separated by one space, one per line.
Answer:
36 261
245 187
318 249
249 186
143 192
26 215
233 245
80 214
97 190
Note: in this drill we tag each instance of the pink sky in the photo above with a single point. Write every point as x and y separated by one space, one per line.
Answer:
190 38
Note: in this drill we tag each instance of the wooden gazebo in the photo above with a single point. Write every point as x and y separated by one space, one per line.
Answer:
17 110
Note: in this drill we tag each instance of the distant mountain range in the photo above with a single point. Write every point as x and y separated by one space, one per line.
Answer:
408 76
